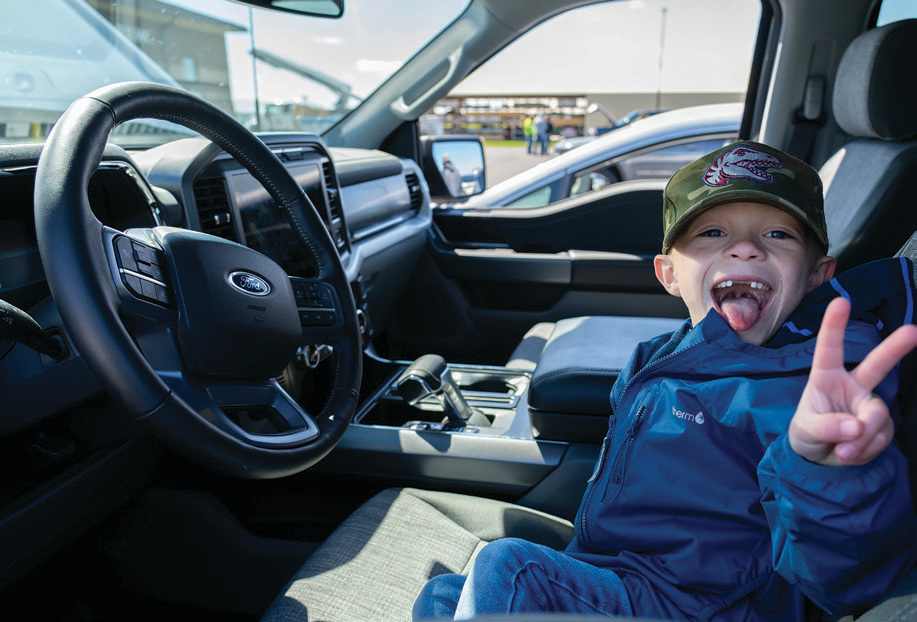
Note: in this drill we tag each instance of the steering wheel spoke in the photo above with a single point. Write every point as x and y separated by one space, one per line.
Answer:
318 307
259 413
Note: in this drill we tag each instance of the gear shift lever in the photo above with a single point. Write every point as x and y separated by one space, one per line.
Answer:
430 375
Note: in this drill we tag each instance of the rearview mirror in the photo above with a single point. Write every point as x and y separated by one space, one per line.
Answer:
453 166
317 8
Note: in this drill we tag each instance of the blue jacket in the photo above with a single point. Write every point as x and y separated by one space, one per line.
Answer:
698 502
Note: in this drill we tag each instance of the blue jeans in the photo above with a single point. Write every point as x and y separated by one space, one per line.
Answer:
516 576
543 141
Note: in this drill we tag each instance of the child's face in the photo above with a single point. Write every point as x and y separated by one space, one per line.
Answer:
750 262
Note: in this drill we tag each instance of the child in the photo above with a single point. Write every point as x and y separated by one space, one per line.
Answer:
745 468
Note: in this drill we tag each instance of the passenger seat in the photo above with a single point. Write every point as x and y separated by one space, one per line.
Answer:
869 200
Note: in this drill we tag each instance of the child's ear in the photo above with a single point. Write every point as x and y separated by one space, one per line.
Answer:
823 271
665 272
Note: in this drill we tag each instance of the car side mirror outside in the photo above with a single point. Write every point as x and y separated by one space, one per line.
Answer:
453 166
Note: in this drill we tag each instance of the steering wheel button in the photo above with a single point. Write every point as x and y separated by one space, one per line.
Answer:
125 253
162 294
316 318
148 289
145 254
151 270
133 283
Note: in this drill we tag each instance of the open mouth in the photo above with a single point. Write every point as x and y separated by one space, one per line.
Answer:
741 303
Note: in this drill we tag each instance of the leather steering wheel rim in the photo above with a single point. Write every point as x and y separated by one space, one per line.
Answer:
76 254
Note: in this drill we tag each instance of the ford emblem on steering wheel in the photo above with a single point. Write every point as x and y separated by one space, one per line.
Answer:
249 283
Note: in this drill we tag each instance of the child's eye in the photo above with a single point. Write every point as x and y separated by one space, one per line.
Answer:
778 235
712 233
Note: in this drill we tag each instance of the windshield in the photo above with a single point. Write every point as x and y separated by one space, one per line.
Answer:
271 71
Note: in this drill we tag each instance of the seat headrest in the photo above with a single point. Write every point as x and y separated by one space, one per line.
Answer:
875 90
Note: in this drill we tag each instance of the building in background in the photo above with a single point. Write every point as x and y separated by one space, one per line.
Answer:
162 30
499 117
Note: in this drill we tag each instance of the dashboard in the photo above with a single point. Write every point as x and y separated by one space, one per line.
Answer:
375 208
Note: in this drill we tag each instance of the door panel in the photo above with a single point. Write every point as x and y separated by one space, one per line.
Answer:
490 274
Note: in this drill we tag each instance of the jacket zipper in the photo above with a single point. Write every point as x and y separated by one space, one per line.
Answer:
622 456
606 444
653 365
621 465
600 463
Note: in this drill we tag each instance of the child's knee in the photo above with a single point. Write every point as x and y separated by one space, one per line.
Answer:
506 553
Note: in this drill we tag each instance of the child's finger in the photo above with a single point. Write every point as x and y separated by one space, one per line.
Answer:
829 344
813 435
883 358
875 435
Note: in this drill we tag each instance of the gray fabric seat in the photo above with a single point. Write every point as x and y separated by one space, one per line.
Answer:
374 565
868 197
617 334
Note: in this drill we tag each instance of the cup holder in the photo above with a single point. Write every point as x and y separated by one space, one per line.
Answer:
488 390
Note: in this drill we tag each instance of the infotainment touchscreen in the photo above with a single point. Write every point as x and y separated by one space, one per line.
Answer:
267 228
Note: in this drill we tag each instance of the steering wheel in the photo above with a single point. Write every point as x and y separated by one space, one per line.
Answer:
186 330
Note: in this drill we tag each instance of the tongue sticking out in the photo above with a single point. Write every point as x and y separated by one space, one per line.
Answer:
741 313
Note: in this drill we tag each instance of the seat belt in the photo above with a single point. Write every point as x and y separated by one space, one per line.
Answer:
808 119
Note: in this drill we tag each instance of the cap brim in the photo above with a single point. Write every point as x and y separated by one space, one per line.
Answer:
735 196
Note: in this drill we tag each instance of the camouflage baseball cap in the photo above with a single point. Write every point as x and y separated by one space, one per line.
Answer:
744 171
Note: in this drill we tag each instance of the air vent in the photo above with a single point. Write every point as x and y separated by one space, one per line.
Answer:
335 209
414 190
213 207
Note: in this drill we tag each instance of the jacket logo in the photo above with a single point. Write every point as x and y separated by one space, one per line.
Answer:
698 418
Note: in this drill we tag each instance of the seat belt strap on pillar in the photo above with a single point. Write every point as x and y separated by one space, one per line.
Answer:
809 118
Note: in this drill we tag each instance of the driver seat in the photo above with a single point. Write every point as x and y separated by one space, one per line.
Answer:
376 562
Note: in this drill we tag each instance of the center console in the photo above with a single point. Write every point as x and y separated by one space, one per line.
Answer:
491 430
494 394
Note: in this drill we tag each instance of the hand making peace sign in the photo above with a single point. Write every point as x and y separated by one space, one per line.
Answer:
839 420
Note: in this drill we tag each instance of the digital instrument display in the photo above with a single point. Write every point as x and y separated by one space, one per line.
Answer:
268 229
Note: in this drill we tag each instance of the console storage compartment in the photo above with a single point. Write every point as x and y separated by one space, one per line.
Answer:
569 398
494 391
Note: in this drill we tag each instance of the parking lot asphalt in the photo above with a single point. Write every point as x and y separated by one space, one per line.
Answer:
504 162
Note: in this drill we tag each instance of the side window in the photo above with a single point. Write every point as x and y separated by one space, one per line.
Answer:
662 163
537 198
653 163
592 180
695 149
896 11
583 75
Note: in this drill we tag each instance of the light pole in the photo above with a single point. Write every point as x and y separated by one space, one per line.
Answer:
251 36
665 11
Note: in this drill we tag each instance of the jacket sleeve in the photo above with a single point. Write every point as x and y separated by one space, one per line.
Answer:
842 535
